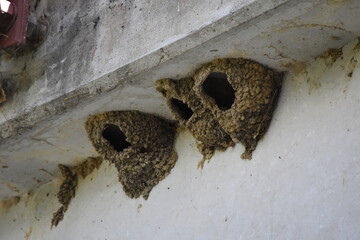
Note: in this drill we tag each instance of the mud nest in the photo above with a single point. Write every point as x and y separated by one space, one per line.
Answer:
227 101
69 184
139 145
187 108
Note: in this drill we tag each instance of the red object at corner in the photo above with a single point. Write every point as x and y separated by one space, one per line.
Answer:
13 24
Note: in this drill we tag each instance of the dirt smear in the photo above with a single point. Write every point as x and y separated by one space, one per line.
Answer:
296 67
2 95
333 54
70 182
28 234
140 145
9 203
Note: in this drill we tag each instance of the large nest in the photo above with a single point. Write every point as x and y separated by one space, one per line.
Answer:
227 100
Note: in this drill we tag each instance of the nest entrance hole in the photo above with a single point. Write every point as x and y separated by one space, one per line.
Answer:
218 87
115 137
182 108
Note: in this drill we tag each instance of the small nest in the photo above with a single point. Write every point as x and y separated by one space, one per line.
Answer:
187 108
139 145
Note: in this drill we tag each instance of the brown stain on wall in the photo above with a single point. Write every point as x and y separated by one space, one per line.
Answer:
333 54
28 234
313 76
357 47
336 2
140 145
353 61
2 95
295 66
9 203
293 25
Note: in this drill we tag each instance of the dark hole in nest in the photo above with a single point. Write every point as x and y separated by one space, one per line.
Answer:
217 86
182 108
115 137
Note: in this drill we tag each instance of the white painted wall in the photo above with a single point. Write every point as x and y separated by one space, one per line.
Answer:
303 181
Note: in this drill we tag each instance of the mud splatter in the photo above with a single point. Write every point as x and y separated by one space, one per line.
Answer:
297 67
333 54
351 67
139 145
28 234
9 203
2 95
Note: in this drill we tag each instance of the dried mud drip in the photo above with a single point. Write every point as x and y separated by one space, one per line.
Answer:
69 184
187 108
2 95
139 145
256 89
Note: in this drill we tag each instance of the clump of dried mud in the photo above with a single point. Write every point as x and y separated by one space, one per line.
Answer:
332 53
230 100
139 145
2 95
187 108
70 181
